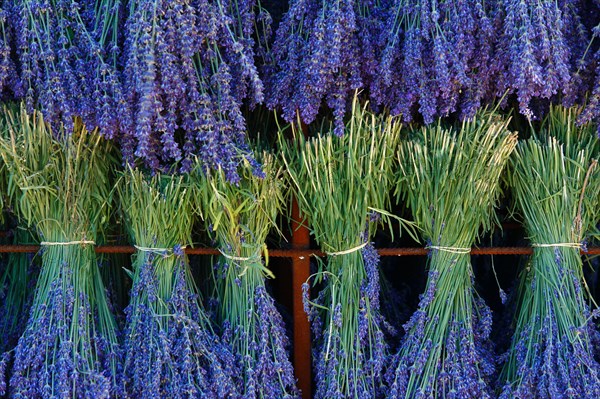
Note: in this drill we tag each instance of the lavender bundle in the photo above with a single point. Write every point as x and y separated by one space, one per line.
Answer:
324 50
450 179
437 59
592 109
61 190
240 216
341 184
186 75
8 75
539 51
170 349
67 52
16 284
555 180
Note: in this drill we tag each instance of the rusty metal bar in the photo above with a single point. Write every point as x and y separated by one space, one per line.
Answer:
302 356
300 253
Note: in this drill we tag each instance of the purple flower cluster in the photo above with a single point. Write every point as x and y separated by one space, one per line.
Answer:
436 60
64 70
61 353
4 360
15 302
553 351
554 366
446 351
8 73
343 371
17 285
260 345
324 50
538 51
169 347
188 67
592 109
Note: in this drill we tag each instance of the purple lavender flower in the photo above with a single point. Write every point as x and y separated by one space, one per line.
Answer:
170 349
8 74
538 51
4 360
324 50
61 341
436 59
188 69
334 377
65 71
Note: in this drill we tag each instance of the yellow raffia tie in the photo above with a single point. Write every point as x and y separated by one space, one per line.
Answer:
239 258
60 243
256 255
348 251
165 252
454 250
559 244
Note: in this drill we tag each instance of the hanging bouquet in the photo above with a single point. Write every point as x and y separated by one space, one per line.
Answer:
342 185
187 71
170 349
324 50
67 53
240 216
62 191
436 59
555 180
8 75
450 179
592 110
16 283
539 51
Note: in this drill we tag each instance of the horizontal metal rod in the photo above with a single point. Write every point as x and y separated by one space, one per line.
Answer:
291 253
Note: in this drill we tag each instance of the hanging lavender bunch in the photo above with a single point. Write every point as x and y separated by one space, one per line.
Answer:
239 217
17 282
436 60
324 50
60 188
65 72
577 38
8 74
591 111
553 353
250 25
186 75
450 179
170 349
534 53
339 182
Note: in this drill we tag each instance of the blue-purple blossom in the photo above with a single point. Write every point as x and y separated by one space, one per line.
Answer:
17 285
591 111
188 68
9 80
334 377
436 59
460 364
539 50
4 360
65 69
61 352
324 50
170 349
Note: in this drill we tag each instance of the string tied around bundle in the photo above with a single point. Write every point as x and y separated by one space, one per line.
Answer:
256 255
576 245
453 250
348 251
177 250
66 243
